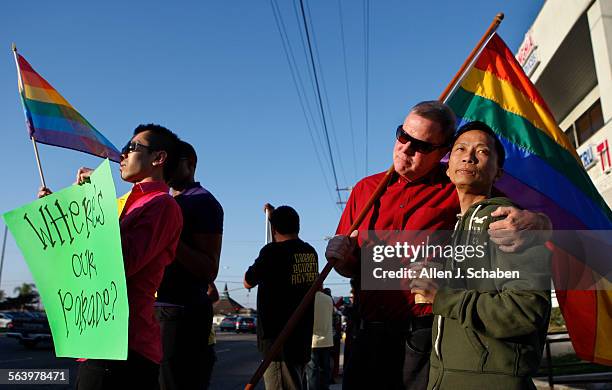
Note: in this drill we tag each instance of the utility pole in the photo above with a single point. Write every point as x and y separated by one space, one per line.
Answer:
342 202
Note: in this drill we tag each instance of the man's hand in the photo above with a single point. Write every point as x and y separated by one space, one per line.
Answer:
520 229
83 175
339 252
43 191
425 287
268 208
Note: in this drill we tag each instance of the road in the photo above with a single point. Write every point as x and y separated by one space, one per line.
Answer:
14 356
237 360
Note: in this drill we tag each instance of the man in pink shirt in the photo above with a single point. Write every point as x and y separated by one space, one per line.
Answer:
150 224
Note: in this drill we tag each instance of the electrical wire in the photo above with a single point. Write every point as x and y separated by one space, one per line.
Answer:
299 86
318 89
346 82
332 126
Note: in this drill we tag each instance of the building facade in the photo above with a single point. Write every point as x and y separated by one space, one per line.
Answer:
567 54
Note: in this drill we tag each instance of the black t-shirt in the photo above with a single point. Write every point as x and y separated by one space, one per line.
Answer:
202 213
284 272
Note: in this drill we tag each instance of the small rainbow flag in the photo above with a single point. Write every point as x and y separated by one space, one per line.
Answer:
544 173
52 120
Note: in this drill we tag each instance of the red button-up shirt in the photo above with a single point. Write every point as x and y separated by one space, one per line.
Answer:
430 203
151 224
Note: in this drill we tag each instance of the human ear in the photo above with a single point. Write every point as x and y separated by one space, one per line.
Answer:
160 158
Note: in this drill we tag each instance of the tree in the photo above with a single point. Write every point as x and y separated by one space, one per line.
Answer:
2 295
25 289
27 295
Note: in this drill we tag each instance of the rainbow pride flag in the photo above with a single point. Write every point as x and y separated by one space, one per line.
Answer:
543 173
52 120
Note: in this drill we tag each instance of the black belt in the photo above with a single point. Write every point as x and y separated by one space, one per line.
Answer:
413 324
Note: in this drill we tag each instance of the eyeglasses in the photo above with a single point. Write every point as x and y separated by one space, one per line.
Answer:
416 144
133 147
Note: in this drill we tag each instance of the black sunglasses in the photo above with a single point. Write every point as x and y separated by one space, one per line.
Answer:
133 147
416 144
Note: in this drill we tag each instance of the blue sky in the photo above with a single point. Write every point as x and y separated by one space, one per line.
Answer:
215 72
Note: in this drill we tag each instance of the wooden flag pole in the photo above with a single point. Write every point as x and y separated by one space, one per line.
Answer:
472 57
382 186
22 92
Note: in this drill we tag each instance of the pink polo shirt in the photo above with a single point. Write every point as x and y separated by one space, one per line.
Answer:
151 224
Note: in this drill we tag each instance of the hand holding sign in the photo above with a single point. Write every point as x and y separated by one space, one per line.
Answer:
70 240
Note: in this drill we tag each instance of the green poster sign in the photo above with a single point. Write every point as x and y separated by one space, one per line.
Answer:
71 242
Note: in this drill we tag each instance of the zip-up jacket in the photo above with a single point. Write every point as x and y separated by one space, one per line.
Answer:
489 333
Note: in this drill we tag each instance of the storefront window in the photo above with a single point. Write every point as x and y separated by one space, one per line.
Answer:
589 122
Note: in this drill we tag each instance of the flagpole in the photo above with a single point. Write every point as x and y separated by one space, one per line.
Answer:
3 249
40 172
382 186
22 92
267 239
471 58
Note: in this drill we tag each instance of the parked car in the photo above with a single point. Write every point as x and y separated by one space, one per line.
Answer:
246 324
228 324
30 328
6 320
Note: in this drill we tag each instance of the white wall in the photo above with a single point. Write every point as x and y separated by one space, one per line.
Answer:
600 24
552 25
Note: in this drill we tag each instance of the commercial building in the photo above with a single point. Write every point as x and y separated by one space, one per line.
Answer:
567 53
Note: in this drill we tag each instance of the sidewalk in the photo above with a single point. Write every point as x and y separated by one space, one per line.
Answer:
604 377
541 383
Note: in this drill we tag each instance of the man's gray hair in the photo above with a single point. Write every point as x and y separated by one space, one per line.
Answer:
438 112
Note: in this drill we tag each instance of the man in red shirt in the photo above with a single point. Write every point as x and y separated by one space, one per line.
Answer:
394 336
150 224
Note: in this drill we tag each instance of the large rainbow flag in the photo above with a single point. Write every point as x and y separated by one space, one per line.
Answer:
544 173
52 120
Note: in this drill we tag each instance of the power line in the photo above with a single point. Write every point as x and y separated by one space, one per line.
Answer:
346 80
298 21
366 28
325 96
303 44
297 82
314 70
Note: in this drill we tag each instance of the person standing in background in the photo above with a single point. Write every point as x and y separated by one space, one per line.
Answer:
183 305
318 369
284 270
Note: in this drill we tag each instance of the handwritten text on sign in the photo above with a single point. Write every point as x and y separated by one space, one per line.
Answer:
71 243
